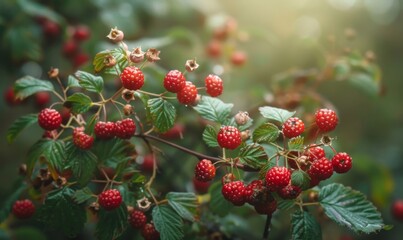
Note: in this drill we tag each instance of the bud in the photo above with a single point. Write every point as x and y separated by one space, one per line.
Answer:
22 170
128 110
53 72
143 204
115 35
109 61
128 95
241 118
191 65
227 178
245 135
137 55
326 140
94 207
152 55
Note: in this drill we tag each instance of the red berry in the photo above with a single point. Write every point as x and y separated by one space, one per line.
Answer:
69 48
321 169
132 78
49 119
81 33
175 132
214 85
81 139
293 127
23 209
200 187
314 180
9 97
188 94
342 162
326 119
397 210
104 130
267 208
277 178
174 81
234 192
252 190
149 232
110 199
80 59
204 171
214 49
125 129
148 163
289 192
137 219
229 137
315 153
42 99
50 28
238 58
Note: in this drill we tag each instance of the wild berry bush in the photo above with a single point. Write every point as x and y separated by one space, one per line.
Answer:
97 160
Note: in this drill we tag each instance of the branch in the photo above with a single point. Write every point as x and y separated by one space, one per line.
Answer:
267 227
200 156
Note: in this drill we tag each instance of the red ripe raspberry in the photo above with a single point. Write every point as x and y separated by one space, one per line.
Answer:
132 78
315 153
174 81
175 132
23 209
137 219
289 192
149 232
321 169
188 94
293 127
110 199
125 129
200 187
81 33
229 137
342 162
214 85
104 130
49 119
397 210
82 140
214 49
80 59
267 208
277 178
42 99
252 190
234 192
314 180
238 58
70 48
9 97
204 171
50 28
326 119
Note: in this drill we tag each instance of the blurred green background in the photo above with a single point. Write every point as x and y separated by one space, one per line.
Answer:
277 37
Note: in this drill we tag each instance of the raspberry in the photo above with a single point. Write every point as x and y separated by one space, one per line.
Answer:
125 129
81 33
293 127
289 192
252 190
104 130
234 192
266 208
277 178
70 48
326 119
315 153
204 171
42 99
49 119
149 232
110 199
214 49
23 209
229 137
50 28
341 162
174 81
397 210
82 140
132 78
188 94
10 98
200 187
148 163
321 169
137 219
175 132
238 58
214 85
80 59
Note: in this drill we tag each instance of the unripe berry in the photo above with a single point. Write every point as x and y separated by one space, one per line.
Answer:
241 118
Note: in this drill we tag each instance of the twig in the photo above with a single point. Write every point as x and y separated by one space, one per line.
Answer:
267 227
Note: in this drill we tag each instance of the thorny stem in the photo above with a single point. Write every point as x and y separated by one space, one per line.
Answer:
267 227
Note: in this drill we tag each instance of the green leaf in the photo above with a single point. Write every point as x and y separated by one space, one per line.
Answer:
267 132
121 61
59 212
300 178
26 86
52 150
111 224
8 203
350 208
19 125
72 81
266 167
90 82
296 144
285 204
365 82
213 109
163 114
82 195
275 114
185 204
210 136
38 10
82 164
253 155
167 222
218 204
305 227
113 152
80 103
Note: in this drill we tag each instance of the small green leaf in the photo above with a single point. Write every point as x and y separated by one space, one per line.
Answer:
296 144
300 178
210 136
253 155
72 81
90 82
111 224
8 203
285 204
167 222
350 208
185 204
82 164
365 82
163 114
218 204
26 86
267 132
266 167
275 114
213 109
82 195
19 125
305 227
113 152
80 103
52 150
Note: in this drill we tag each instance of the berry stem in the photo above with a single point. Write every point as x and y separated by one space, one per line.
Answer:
266 231
62 87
